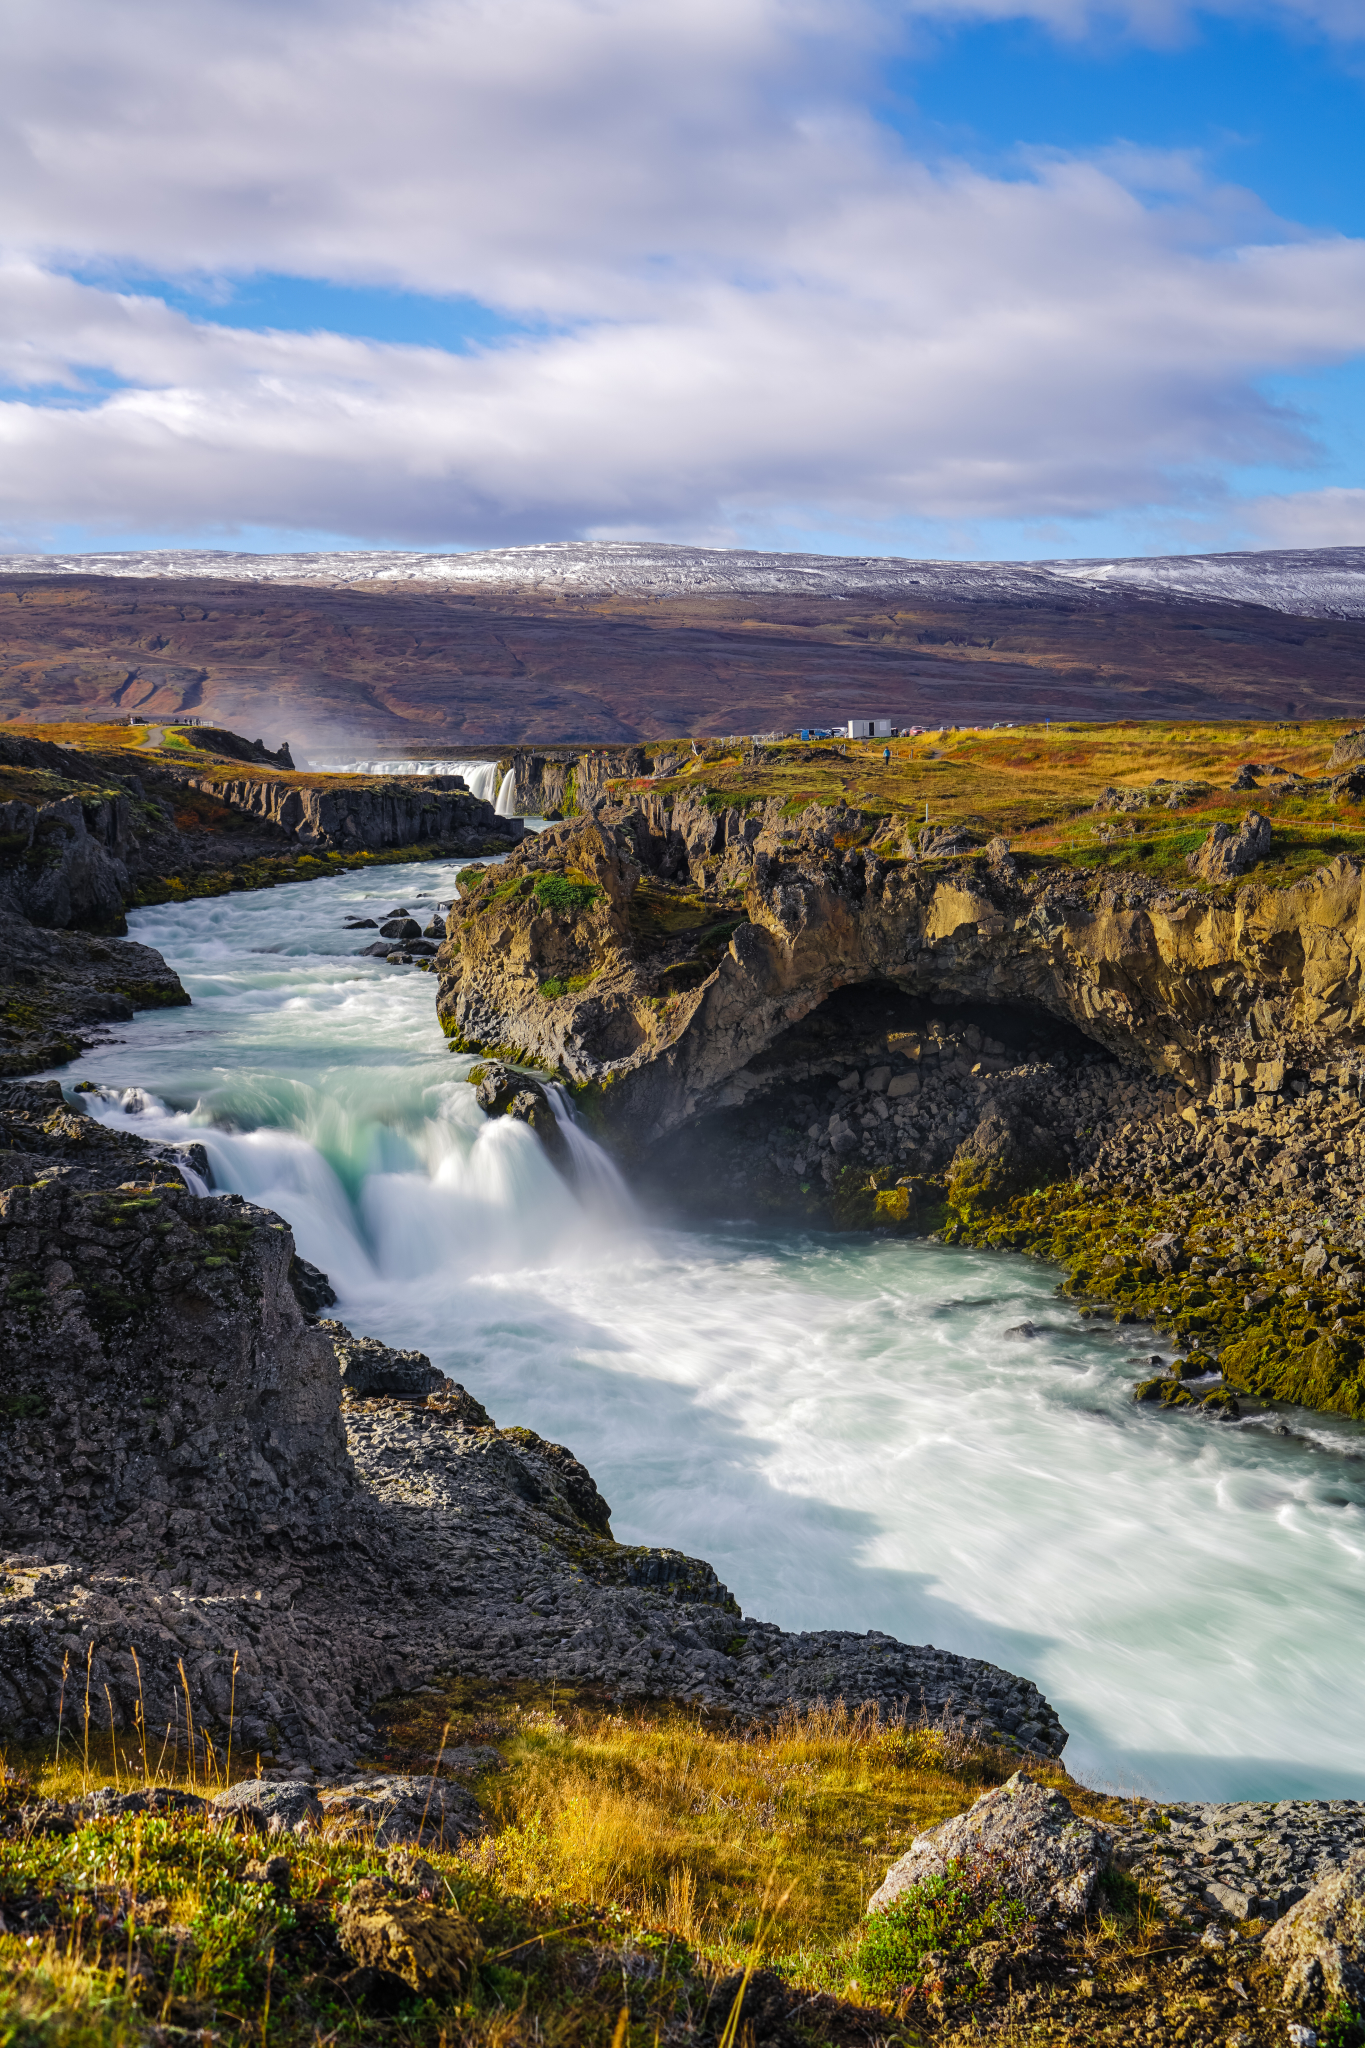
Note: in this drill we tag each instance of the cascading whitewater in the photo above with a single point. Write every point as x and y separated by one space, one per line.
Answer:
480 777
844 1426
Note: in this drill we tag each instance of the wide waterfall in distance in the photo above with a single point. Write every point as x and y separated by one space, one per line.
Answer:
480 777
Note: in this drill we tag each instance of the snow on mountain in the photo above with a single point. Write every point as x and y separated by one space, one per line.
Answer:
1312 582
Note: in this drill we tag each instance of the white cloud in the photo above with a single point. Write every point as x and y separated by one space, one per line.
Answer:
1308 519
961 347
547 155
1162 22
757 301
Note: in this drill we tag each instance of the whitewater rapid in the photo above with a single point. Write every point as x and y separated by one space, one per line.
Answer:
843 1425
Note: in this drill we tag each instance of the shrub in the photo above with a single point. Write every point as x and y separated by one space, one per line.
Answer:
939 1916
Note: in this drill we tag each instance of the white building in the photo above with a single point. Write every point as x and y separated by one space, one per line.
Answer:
869 728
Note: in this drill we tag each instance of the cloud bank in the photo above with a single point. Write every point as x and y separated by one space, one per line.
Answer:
747 300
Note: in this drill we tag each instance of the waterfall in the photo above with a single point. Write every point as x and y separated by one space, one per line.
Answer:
481 777
384 1202
595 1173
506 806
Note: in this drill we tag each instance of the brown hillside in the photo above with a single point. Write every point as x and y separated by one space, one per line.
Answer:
383 666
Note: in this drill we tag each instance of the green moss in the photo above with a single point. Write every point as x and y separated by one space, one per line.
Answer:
571 986
860 1200
559 892
1308 1349
23 1407
937 1918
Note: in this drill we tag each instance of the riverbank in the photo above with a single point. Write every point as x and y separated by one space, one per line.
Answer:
95 821
570 1868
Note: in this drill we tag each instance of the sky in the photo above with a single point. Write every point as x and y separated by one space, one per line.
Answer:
949 278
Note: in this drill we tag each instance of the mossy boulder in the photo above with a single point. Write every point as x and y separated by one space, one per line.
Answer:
1003 1156
1168 1392
432 1950
1323 1373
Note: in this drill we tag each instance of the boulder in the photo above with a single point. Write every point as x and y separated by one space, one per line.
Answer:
1320 1943
1033 1843
432 1949
313 1291
369 1367
1167 1391
1348 749
401 928
1004 1155
1226 854
400 1810
940 842
1001 859
288 1808
1164 1251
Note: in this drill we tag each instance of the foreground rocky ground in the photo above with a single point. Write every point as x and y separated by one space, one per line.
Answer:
616 1862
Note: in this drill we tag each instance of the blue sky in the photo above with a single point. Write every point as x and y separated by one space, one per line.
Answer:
935 280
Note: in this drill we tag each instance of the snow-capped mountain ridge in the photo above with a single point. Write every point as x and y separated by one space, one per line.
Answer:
1311 582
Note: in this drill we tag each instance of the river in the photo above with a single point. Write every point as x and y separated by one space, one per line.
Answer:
840 1424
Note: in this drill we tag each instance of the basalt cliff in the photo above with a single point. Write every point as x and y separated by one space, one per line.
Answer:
666 959
85 836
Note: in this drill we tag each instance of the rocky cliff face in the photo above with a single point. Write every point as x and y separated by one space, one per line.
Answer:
562 781
63 864
58 990
654 956
372 815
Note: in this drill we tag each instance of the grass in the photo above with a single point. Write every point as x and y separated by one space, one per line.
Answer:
645 1877
1037 785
